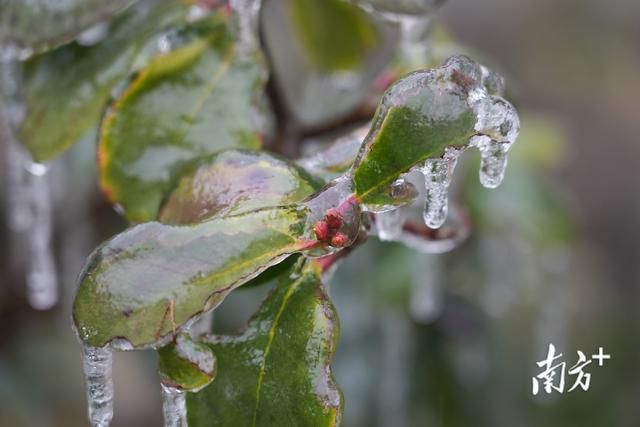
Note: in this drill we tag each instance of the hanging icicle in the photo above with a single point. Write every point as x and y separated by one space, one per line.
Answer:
174 406
437 177
97 364
30 206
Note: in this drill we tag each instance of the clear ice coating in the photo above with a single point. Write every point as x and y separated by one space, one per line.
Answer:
459 86
174 406
498 125
437 178
97 364
247 13
334 217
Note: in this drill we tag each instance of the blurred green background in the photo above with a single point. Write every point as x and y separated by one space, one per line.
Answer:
431 340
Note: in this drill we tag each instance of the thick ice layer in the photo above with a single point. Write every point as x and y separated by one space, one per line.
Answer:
174 407
437 177
97 363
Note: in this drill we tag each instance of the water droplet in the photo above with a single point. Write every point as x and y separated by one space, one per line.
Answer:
97 363
437 177
174 406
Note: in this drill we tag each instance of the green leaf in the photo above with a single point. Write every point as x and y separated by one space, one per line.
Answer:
185 364
419 116
232 182
143 285
188 103
336 35
278 371
67 89
37 25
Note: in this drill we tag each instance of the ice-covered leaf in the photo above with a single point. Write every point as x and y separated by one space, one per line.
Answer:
185 364
142 287
36 25
67 89
278 371
335 35
235 181
149 281
421 122
195 100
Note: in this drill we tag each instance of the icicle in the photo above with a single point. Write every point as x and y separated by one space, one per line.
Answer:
499 125
97 363
42 287
174 406
20 215
427 293
493 160
389 224
29 195
437 175
247 12
414 45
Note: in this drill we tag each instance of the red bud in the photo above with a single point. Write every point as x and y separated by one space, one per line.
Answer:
339 240
322 230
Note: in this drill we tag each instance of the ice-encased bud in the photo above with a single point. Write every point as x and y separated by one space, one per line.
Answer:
333 217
